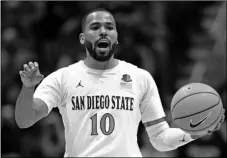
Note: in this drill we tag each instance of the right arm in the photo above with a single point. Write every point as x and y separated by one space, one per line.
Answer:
29 110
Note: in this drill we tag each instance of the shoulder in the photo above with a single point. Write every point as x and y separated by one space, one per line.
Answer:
69 69
146 79
141 73
64 72
129 67
73 67
142 76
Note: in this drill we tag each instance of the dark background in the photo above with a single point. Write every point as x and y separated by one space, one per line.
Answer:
177 42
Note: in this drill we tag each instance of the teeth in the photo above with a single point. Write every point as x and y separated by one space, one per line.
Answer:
104 41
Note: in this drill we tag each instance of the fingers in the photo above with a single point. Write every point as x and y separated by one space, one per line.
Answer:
26 68
29 69
36 64
218 127
22 73
209 132
223 112
222 119
219 124
223 116
33 66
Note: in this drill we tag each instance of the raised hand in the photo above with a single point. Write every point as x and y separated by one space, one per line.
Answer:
31 76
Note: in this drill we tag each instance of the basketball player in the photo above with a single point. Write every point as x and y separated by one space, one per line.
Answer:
101 99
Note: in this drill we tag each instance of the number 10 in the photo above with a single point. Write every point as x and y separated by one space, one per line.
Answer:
102 124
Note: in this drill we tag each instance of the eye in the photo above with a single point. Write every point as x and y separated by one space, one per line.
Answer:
110 27
95 28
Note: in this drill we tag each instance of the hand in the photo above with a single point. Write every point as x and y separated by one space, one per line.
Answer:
31 76
215 129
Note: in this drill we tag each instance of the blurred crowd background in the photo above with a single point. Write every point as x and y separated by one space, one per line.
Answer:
177 42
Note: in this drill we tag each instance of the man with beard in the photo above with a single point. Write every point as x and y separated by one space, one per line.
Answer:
101 99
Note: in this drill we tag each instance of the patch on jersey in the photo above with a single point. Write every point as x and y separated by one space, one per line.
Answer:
126 78
127 81
126 85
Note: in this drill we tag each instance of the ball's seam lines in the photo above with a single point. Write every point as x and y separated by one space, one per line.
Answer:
192 95
198 111
206 127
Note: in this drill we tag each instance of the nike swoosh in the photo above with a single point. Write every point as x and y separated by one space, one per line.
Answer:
197 124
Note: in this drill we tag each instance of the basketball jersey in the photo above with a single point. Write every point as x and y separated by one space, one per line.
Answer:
101 109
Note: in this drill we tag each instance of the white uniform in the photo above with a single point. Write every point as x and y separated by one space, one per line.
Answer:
101 110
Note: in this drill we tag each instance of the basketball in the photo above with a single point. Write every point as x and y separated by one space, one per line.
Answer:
196 108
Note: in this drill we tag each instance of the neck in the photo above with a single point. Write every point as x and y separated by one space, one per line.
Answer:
94 64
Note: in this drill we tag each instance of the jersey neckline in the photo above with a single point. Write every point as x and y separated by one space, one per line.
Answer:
102 71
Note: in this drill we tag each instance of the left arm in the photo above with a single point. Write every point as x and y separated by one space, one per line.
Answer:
162 137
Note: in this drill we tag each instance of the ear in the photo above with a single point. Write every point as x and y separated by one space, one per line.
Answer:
82 38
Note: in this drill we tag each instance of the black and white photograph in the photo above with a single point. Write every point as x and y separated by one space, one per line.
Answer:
113 79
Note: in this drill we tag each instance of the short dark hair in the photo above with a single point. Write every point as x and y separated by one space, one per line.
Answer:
92 11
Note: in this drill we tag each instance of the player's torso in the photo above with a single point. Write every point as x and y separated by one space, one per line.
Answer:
102 112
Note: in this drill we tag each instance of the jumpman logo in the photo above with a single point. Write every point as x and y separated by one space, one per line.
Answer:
79 84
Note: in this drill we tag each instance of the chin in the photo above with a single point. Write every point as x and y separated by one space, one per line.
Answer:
103 53
103 58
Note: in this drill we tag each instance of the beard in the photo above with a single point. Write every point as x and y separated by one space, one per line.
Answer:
99 56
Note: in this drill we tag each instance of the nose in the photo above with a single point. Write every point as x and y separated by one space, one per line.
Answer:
103 32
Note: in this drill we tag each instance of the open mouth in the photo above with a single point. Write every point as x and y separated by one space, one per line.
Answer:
103 44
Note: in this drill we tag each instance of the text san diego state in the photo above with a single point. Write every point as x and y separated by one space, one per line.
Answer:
102 102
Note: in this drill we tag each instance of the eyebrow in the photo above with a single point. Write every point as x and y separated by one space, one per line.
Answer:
98 23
